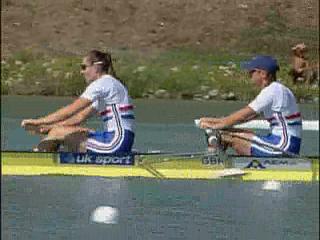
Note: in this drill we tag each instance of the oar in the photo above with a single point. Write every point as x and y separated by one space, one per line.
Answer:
173 154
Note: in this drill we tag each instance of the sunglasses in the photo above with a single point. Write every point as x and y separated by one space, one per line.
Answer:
84 66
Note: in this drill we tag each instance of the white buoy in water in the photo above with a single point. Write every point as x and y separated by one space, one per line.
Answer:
271 185
105 214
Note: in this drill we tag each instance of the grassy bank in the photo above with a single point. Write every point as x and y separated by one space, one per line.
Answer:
181 73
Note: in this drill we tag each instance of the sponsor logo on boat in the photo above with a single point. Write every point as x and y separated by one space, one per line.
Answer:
261 163
98 159
276 163
212 160
264 163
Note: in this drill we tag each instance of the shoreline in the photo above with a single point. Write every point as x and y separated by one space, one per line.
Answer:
311 103
173 74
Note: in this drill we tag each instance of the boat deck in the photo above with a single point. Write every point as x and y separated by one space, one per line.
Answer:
32 164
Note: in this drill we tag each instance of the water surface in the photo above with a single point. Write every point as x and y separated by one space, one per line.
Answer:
56 207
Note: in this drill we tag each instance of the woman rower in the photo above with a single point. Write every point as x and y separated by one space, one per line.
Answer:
278 105
104 95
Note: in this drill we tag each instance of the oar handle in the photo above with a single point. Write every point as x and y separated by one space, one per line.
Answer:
197 122
208 131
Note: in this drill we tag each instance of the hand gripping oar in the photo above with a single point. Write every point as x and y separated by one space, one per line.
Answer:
264 145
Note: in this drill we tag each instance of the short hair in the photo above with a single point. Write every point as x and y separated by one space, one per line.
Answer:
273 76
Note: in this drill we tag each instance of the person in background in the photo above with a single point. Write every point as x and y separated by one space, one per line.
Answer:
106 96
301 70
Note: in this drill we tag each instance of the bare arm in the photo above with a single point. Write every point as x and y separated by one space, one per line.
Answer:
300 64
60 115
243 115
74 120
79 117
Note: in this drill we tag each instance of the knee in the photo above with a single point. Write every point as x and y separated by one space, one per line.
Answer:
55 131
58 132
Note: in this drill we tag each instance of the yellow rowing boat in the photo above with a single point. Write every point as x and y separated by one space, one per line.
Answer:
164 167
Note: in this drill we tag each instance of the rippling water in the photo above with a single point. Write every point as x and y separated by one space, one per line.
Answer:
56 207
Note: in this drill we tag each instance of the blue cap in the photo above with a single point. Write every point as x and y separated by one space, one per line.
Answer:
266 63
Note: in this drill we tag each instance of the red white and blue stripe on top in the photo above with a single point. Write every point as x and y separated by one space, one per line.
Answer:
284 122
125 111
115 143
291 120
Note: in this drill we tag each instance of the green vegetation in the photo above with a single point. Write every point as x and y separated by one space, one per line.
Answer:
181 72
31 73
275 36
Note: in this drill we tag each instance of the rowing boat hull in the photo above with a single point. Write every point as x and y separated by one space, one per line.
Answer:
33 164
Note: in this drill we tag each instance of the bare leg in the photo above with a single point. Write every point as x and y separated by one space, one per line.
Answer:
61 132
239 140
75 142
72 137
